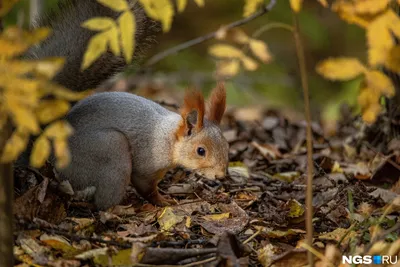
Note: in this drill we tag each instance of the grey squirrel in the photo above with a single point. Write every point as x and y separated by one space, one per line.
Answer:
120 138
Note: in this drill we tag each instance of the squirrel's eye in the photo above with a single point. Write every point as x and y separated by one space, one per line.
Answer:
201 151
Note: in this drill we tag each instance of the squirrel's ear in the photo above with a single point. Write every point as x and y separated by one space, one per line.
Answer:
217 103
192 113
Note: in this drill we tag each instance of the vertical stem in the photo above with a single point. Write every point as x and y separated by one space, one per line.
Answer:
6 204
35 10
310 165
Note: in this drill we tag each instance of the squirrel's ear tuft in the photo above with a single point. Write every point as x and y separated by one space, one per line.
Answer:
192 113
217 103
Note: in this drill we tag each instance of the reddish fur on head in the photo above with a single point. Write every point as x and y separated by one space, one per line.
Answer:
194 101
217 103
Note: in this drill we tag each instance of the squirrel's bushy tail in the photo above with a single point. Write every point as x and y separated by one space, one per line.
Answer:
70 40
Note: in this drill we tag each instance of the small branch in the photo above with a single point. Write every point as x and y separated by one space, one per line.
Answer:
158 57
310 165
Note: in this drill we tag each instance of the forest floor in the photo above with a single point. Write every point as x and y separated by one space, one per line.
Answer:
255 217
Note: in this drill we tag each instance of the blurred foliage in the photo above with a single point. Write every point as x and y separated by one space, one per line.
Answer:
276 84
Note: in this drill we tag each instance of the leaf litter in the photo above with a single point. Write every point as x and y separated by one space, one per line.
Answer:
255 217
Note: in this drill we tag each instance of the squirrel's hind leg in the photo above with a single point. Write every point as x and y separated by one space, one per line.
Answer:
101 159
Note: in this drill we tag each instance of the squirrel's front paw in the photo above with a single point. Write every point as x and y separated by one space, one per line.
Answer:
159 200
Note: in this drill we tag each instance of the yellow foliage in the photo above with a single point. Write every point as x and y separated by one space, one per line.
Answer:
58 130
228 68
61 152
249 63
340 68
50 110
14 146
99 24
393 59
380 40
23 85
200 3
40 152
127 28
181 4
370 6
14 41
296 5
260 50
251 6
225 51
160 10
118 35
380 82
96 47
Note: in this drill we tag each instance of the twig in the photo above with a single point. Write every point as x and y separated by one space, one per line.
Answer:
158 57
310 165
252 236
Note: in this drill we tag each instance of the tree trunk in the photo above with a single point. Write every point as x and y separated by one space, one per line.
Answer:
6 205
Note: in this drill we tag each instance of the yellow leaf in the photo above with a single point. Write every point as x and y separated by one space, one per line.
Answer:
296 5
116 5
160 10
40 152
59 91
168 219
96 47
240 36
6 6
249 63
49 67
127 26
370 6
340 68
217 217
324 3
228 68
62 153
368 97
99 23
371 113
380 40
225 51
347 12
58 130
14 146
200 3
22 115
380 82
251 6
9 48
393 60
260 50
181 4
113 37
50 110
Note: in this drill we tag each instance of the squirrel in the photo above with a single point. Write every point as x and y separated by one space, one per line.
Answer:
121 138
